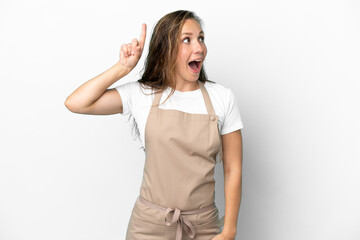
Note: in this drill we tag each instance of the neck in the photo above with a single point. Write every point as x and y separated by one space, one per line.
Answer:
185 86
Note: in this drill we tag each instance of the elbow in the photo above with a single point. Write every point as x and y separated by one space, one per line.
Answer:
75 107
69 105
234 168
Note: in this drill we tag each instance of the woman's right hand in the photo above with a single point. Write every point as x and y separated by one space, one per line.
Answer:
130 53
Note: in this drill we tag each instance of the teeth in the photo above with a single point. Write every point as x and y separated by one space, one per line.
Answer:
197 60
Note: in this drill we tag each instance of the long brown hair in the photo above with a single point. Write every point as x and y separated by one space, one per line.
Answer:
163 50
159 67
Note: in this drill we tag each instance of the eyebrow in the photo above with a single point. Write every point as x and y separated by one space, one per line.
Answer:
189 33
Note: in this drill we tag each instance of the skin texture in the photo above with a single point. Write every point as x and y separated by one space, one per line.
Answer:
232 160
94 97
192 46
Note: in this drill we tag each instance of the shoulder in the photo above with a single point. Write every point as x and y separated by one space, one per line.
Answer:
219 92
216 87
133 87
228 110
128 85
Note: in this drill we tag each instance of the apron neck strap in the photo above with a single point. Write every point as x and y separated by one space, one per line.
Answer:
209 106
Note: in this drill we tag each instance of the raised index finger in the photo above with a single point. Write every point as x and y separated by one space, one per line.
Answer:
142 36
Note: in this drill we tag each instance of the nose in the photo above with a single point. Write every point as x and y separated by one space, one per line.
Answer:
199 47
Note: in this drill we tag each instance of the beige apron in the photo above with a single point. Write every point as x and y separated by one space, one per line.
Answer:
177 193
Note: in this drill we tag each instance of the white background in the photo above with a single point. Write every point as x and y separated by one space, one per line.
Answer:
294 66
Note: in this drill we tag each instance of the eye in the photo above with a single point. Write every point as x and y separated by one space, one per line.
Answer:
185 39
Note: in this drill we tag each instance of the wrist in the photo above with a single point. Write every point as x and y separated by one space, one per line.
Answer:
229 233
121 69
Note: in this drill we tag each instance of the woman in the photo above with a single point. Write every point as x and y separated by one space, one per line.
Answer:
178 115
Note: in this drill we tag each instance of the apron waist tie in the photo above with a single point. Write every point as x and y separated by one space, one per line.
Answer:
182 221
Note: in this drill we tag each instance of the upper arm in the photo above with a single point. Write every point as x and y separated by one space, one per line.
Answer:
109 102
232 118
231 135
113 100
232 150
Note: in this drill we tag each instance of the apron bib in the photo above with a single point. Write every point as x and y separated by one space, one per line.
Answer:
177 192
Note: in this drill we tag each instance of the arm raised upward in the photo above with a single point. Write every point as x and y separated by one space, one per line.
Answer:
94 97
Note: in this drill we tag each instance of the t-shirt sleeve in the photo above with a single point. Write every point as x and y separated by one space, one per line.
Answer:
232 121
125 91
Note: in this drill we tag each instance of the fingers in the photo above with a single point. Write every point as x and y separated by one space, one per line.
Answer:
124 49
133 46
129 49
142 36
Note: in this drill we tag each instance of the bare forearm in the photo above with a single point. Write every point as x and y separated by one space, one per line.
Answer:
232 185
91 90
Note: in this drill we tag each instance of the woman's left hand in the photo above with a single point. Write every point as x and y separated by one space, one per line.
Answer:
222 237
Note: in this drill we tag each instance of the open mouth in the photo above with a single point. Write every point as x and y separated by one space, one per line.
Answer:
195 65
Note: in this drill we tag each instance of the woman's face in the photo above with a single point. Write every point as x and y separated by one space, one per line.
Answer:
192 47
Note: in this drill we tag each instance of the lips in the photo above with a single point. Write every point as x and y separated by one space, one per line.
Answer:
197 60
195 65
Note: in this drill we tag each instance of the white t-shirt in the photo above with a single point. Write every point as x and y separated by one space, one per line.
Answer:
137 104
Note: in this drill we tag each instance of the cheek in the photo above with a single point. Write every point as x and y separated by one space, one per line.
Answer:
184 54
181 62
183 59
181 55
